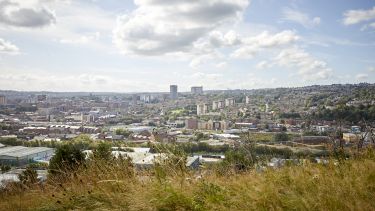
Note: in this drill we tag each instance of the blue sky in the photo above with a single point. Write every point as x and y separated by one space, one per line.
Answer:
145 45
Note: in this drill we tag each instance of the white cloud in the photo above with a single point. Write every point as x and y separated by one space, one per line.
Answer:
79 82
83 39
308 67
222 65
7 47
357 16
159 27
252 45
263 65
300 17
15 13
361 76
371 69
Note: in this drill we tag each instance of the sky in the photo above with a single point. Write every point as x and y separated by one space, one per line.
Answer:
146 45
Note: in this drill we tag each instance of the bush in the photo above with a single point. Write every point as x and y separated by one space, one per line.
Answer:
66 160
28 177
103 151
279 137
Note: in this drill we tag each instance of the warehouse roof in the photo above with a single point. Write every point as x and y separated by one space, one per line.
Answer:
20 151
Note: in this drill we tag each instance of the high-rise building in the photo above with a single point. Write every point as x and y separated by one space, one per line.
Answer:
197 90
134 99
3 100
173 92
247 99
215 105
202 109
229 102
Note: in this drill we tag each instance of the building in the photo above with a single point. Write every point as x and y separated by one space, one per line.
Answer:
220 104
134 99
202 109
197 90
215 105
146 160
3 100
173 92
20 155
350 137
41 98
229 102
247 99
191 124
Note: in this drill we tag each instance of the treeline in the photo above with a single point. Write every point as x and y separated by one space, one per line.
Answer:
346 113
290 115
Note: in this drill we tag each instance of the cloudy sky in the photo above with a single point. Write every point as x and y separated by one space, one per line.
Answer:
145 45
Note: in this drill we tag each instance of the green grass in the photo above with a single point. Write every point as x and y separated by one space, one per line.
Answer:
346 185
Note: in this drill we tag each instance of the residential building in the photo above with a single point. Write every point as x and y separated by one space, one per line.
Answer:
3 100
173 92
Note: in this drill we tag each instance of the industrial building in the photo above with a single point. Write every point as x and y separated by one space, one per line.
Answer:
20 155
143 159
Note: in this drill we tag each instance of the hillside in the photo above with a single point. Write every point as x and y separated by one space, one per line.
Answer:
114 185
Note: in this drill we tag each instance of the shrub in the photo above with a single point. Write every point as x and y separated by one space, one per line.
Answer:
66 160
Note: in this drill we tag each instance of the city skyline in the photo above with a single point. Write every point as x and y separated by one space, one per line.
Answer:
145 45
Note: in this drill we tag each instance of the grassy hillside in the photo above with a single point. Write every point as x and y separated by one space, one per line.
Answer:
114 185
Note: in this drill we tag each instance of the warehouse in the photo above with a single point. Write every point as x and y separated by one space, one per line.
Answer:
19 155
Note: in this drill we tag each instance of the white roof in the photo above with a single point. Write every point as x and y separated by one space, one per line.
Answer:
20 151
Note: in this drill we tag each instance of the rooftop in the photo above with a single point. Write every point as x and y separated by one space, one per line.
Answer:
20 151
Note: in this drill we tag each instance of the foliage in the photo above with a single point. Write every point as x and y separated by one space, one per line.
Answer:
66 160
28 177
124 132
281 137
103 151
114 186
290 115
347 113
4 168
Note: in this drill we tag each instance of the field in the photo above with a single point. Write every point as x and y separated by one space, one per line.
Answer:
103 185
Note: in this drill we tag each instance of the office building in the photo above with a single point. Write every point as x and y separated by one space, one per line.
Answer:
197 90
173 92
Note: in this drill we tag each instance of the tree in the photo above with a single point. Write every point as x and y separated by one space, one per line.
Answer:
279 137
125 133
28 177
66 160
239 160
103 151
5 168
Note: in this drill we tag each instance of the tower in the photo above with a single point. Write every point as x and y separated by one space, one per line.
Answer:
173 92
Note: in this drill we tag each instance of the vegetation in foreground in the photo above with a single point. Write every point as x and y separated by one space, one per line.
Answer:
105 183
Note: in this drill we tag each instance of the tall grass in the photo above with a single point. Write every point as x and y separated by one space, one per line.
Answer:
116 185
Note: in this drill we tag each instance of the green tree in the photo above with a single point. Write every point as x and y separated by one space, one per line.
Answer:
281 137
66 160
28 177
125 133
103 151
4 168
